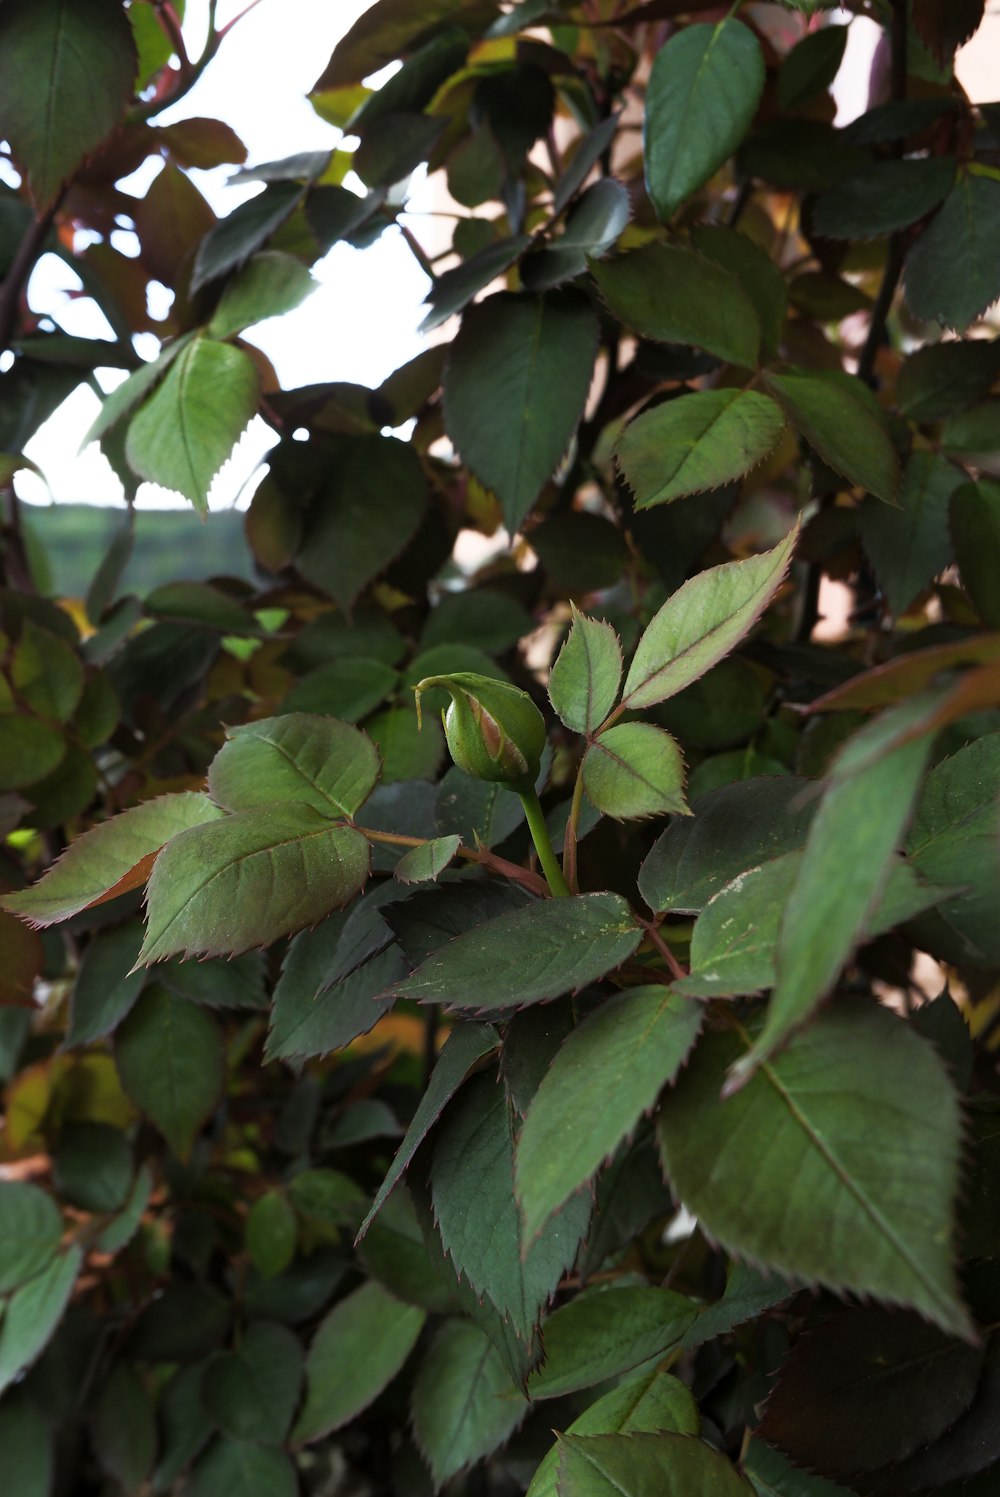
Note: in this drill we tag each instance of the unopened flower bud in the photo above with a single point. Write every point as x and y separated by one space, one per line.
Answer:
494 730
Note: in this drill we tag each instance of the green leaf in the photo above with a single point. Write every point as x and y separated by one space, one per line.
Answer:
975 527
605 1332
597 218
584 680
756 272
236 982
897 1382
239 1466
872 1220
33 1312
123 1428
171 1062
110 858
477 1217
67 69
734 828
32 1228
343 551
464 1405
773 1476
735 938
653 1401
246 229
187 428
700 441
464 1047
909 546
248 879
952 274
124 397
423 864
644 1465
318 761
480 617
357 1351
29 751
953 841
701 622
838 418
635 770
676 296
515 384
271 1233
455 288
120 1230
313 1014
748 1293
348 688
884 197
46 673
269 285
27 1457
251 1392
942 379
92 1167
702 95
860 823
535 953
608 1072
811 66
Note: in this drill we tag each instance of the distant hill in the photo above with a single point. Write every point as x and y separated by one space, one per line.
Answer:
68 541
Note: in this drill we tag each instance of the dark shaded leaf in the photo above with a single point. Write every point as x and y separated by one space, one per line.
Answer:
170 1059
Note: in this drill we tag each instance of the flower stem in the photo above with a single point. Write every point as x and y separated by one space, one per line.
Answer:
543 844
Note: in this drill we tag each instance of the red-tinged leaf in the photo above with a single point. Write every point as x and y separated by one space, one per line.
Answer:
249 878
906 675
110 858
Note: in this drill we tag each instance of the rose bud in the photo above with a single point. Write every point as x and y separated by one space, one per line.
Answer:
494 730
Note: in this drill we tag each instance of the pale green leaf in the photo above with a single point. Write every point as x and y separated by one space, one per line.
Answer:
357 1351
269 285
46 673
607 1073
697 442
33 1312
270 1233
701 97
838 417
124 397
584 680
251 1392
653 1401
531 954
605 1332
29 750
645 1465
249 878
423 864
67 70
634 770
32 1228
110 858
515 384
464 1405
184 432
676 296
860 1127
171 1063
701 622
318 761
860 823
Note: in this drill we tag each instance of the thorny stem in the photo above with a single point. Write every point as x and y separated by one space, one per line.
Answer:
487 859
543 843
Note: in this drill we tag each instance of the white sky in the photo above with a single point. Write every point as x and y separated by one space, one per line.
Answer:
361 323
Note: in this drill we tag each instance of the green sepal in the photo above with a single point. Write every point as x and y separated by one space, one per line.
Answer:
494 730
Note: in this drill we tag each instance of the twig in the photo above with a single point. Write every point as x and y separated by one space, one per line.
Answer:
488 860
676 970
571 839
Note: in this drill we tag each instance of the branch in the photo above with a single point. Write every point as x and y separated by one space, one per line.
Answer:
21 267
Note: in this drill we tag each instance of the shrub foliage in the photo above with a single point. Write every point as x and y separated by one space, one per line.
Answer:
594 1093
